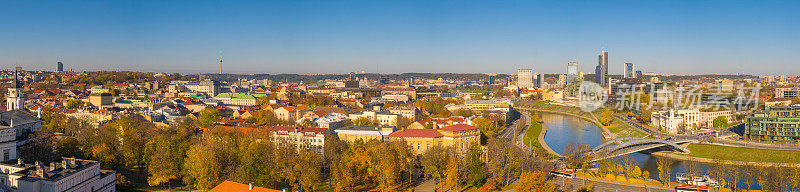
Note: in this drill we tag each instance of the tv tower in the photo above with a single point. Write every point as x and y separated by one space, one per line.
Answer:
220 61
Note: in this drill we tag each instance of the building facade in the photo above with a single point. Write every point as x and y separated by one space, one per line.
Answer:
525 78
302 138
780 123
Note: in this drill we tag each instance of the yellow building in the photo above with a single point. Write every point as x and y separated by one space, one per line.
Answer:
459 136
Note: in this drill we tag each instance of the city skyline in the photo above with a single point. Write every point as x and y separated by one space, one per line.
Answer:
396 37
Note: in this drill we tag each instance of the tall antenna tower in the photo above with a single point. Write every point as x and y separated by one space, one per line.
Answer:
220 61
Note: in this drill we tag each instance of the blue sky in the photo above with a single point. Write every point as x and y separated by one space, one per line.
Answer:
682 37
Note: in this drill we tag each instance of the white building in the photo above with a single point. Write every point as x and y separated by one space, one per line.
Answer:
383 117
525 78
68 175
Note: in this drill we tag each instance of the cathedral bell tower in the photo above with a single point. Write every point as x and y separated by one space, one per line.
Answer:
15 98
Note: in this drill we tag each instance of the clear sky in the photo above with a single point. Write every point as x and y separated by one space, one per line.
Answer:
683 37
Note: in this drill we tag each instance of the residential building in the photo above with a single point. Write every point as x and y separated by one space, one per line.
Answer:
291 113
382 117
101 99
778 101
780 123
302 138
406 112
787 92
365 133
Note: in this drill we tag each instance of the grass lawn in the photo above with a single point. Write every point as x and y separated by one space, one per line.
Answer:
625 130
531 139
743 154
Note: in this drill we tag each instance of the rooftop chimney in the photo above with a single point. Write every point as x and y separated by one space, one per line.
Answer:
251 186
19 161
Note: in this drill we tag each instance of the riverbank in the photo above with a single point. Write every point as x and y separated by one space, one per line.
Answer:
616 129
534 138
706 153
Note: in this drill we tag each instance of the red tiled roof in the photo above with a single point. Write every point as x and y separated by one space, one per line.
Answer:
244 130
230 186
459 127
416 133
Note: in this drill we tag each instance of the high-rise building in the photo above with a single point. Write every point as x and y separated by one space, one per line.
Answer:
525 78
562 80
601 71
629 72
540 80
491 80
572 71
639 74
60 67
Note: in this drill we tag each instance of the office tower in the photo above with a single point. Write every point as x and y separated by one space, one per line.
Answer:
60 67
491 80
562 80
540 80
639 74
629 73
411 81
525 78
572 71
601 71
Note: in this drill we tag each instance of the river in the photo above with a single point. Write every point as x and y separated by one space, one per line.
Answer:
564 129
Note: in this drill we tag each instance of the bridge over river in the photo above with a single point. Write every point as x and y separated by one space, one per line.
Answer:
627 145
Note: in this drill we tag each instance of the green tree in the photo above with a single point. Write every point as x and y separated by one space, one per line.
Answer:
477 170
208 117
69 147
74 104
720 122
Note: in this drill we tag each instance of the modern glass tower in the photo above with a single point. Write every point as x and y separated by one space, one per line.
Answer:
572 71
601 71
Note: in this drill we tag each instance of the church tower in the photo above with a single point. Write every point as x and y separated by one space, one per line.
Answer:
15 98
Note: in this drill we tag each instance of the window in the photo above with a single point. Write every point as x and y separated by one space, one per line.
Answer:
6 154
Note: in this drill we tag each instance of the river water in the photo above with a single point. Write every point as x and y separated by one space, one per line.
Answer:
563 129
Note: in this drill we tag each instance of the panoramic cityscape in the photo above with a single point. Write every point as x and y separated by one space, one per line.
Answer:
417 96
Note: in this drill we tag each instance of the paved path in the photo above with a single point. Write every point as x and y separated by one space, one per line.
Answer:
425 186
607 186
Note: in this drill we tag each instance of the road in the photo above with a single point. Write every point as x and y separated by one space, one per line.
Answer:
719 136
509 131
606 186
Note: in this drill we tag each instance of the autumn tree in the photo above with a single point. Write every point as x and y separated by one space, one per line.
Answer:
535 181
606 117
664 169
